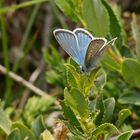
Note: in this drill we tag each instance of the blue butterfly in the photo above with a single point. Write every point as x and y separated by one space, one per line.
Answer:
82 47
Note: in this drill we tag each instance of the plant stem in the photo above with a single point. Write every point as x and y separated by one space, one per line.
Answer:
25 38
5 54
32 79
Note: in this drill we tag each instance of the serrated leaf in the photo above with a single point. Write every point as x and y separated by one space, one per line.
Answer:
125 136
136 34
96 17
115 28
69 115
99 106
73 71
75 74
38 126
76 101
100 80
5 123
25 133
106 128
123 114
89 80
76 133
71 80
109 109
131 72
14 135
131 98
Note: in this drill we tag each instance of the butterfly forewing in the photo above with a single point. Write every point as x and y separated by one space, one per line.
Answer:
84 38
92 53
68 42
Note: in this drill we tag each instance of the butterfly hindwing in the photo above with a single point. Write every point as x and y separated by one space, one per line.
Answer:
93 51
69 43
106 46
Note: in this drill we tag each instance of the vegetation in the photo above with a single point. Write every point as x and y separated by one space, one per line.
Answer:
57 101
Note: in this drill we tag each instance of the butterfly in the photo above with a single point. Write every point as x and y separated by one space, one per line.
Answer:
82 47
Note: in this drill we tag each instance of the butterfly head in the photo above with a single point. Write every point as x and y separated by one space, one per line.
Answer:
84 69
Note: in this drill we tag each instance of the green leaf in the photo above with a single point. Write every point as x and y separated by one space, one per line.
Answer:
75 132
73 71
76 101
126 127
115 28
67 8
110 64
35 106
38 126
136 34
94 138
100 80
109 109
71 80
73 76
125 136
89 80
131 98
99 106
105 128
5 123
69 115
123 114
52 56
55 78
25 133
14 135
96 17
131 72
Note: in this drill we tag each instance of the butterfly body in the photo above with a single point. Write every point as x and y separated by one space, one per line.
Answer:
83 48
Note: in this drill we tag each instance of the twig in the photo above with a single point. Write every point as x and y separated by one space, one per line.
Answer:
136 134
32 79
27 84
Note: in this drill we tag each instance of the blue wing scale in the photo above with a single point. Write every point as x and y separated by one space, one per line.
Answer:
68 42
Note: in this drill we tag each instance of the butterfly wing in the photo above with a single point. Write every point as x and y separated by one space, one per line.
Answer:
95 51
106 46
69 43
84 38
92 53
